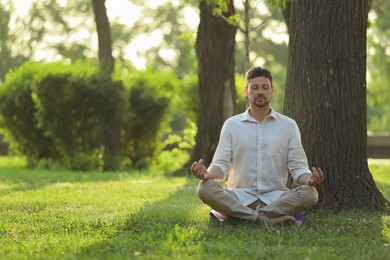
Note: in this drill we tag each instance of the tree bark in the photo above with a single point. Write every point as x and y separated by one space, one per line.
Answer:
104 36
215 46
326 95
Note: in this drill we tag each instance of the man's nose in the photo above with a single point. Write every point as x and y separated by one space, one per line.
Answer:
260 92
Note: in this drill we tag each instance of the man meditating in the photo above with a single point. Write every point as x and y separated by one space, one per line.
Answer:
256 152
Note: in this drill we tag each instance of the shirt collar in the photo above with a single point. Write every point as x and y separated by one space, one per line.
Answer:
273 113
247 117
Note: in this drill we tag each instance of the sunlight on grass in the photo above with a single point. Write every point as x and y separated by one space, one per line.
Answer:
63 216
380 170
125 215
12 162
386 228
379 161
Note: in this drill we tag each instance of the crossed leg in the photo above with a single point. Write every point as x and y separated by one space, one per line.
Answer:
226 202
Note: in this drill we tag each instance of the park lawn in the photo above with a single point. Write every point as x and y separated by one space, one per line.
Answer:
126 215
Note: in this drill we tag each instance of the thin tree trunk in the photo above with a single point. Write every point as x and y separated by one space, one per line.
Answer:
215 46
104 36
326 94
246 33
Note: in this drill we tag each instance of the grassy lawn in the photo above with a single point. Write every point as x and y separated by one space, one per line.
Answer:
127 215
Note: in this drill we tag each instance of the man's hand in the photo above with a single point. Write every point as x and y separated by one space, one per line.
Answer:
200 171
317 176
313 179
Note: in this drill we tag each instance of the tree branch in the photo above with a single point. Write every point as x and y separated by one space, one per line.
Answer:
235 25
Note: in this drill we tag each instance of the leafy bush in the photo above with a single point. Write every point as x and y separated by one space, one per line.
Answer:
18 113
241 100
73 117
81 115
148 99
184 103
176 149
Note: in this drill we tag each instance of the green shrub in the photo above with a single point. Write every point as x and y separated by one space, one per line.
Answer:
18 113
176 149
73 117
158 103
184 103
63 113
241 100
148 99
82 115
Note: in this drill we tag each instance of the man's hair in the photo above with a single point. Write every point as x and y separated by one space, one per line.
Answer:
258 72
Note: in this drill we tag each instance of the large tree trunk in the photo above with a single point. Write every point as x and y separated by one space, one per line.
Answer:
104 36
215 44
326 94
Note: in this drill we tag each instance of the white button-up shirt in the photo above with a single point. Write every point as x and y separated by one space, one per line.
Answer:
257 157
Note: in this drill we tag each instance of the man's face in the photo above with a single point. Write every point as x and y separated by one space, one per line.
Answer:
259 91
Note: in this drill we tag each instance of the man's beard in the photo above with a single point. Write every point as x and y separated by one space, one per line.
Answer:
261 105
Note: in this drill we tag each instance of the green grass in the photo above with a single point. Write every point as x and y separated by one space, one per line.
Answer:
127 215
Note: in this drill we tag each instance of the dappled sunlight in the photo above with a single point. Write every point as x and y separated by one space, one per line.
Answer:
381 174
386 230
151 216
379 161
110 99
12 162
6 188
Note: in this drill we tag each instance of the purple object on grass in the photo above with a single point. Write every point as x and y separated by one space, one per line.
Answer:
299 218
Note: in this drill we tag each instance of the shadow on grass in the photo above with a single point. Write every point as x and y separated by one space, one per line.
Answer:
172 228
179 227
156 228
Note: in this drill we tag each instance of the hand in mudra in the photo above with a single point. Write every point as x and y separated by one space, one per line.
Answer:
199 170
317 176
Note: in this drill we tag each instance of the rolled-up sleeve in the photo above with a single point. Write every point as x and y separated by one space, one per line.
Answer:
223 155
296 157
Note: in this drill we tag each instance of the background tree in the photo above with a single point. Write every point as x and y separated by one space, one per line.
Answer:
65 31
177 38
104 36
215 44
244 22
261 40
6 60
326 94
49 31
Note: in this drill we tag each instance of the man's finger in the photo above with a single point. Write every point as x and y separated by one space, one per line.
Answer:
200 162
314 175
321 174
317 176
193 166
199 165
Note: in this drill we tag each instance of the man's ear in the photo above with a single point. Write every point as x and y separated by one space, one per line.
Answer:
246 91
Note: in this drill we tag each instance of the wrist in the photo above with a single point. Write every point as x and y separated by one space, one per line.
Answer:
304 179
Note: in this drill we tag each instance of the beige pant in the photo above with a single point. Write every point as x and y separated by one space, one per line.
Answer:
226 201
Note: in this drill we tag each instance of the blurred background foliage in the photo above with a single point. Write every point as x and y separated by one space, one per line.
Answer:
378 67
54 43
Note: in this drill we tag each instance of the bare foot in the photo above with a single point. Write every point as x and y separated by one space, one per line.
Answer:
277 220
